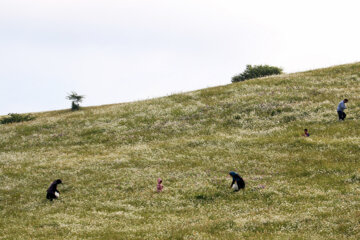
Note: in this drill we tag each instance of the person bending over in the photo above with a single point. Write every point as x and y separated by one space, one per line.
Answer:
52 192
237 183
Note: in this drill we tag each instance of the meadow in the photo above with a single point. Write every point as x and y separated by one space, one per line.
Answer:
109 158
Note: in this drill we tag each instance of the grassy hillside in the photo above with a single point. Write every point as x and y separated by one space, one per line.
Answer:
109 158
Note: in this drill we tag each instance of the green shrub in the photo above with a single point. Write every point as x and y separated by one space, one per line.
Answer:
256 71
15 117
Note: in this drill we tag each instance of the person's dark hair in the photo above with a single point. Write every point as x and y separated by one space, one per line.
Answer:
58 181
346 100
305 129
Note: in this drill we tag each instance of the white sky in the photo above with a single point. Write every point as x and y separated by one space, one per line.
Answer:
123 50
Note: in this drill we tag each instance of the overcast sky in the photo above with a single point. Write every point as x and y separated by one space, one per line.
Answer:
124 50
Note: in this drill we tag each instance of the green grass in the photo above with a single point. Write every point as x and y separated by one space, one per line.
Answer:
109 158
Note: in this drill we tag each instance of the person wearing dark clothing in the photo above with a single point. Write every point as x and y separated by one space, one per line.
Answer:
237 183
52 192
306 133
340 109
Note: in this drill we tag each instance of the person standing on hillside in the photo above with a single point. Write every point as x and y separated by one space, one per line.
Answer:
340 109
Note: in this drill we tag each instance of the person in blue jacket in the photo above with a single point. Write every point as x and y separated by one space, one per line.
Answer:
340 109
237 183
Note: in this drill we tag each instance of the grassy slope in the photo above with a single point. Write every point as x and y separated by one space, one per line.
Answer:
109 158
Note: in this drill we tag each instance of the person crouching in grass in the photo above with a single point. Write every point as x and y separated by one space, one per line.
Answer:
52 192
237 183
159 186
306 133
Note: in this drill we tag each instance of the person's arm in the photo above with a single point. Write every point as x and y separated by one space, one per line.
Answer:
232 183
